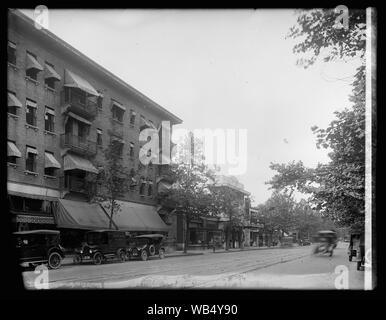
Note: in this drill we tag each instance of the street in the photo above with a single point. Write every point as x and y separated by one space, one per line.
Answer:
292 268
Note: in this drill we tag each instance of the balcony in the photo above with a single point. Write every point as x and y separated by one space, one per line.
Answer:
78 144
76 101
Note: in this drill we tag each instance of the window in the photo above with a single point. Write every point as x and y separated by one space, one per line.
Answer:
142 186
150 189
117 114
31 112
132 117
12 152
33 66
13 103
30 163
33 204
11 51
131 151
51 77
100 100
49 119
99 137
117 147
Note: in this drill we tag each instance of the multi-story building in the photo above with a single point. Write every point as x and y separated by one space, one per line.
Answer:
63 111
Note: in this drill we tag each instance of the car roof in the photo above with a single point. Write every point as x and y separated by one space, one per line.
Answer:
155 235
104 230
37 232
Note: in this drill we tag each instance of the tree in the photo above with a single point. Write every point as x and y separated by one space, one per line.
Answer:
112 182
228 201
189 193
336 188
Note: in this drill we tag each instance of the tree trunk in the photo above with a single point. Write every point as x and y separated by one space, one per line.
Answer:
186 235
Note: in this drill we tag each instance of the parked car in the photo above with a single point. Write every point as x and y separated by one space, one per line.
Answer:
39 247
145 246
100 245
305 242
356 249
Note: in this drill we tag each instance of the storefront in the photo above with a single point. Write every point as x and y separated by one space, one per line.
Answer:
205 232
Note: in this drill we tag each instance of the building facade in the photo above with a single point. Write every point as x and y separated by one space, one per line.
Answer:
63 111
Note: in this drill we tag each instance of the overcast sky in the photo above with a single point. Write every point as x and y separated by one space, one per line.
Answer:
219 69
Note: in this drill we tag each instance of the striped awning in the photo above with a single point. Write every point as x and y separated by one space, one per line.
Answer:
72 162
32 63
51 162
74 81
13 151
13 101
51 73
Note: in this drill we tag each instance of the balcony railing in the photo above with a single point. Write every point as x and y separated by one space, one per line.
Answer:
74 100
78 144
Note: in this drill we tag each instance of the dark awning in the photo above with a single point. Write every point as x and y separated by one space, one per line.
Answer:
51 73
75 81
32 63
138 217
80 215
72 162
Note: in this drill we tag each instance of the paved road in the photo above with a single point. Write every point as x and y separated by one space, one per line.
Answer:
252 268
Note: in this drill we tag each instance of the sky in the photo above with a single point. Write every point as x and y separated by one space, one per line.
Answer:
227 69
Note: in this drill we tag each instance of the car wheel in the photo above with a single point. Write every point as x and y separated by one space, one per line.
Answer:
144 255
97 258
161 253
349 258
152 250
54 260
77 259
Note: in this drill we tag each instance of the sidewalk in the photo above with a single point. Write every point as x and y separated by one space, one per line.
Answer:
68 259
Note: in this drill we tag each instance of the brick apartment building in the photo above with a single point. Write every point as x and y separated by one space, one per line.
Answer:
63 111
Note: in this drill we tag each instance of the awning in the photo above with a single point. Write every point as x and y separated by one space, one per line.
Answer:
32 150
138 217
13 151
34 219
32 63
51 73
76 117
51 162
118 105
163 187
12 44
50 111
80 215
147 123
72 162
13 101
74 81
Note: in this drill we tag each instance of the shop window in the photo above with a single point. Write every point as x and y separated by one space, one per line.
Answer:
31 112
33 204
142 188
11 53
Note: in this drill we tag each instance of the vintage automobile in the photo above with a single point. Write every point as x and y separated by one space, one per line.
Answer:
39 247
145 246
356 249
326 242
100 245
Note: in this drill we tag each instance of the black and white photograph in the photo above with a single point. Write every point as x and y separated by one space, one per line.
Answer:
229 149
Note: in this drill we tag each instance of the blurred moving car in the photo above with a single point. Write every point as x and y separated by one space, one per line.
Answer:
356 249
326 242
145 246
39 247
100 245
305 242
